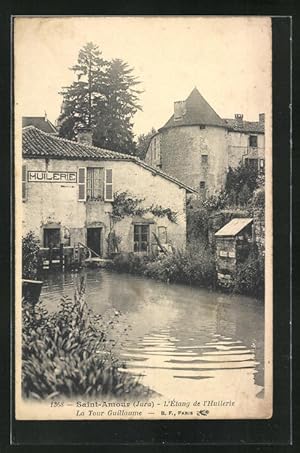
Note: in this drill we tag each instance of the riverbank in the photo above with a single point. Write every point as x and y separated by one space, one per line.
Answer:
193 267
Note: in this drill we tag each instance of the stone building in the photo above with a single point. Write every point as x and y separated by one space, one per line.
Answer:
68 191
197 146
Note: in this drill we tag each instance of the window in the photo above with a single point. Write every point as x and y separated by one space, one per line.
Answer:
51 237
95 183
253 141
204 159
141 238
202 184
253 163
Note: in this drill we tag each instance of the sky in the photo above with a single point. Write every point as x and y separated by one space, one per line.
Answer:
227 59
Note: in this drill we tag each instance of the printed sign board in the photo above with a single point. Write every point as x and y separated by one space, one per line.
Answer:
51 176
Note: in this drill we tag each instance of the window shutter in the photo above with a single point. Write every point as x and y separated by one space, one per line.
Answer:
108 185
24 182
82 184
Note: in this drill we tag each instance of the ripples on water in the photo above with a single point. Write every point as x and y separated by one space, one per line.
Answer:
178 335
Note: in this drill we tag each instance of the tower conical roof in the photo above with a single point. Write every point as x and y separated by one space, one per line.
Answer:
197 112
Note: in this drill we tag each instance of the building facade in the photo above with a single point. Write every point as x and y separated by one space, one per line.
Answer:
197 146
68 191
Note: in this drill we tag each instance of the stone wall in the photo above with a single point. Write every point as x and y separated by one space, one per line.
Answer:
179 152
238 148
182 150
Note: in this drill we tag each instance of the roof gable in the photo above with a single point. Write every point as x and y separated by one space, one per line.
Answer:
198 112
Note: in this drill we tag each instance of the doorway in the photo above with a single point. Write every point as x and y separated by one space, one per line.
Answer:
93 240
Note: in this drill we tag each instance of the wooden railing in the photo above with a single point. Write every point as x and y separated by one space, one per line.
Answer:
91 251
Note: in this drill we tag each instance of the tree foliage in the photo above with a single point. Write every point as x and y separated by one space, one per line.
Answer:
103 98
241 183
30 250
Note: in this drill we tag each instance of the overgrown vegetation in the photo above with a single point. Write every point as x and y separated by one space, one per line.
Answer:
191 267
241 183
125 205
70 353
131 263
243 193
249 278
30 249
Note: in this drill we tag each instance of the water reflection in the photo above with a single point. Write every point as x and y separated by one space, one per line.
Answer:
178 335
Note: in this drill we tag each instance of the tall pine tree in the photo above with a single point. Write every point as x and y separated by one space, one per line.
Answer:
104 98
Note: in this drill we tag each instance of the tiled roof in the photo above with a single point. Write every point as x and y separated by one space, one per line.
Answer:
198 112
38 144
233 227
40 122
159 172
244 126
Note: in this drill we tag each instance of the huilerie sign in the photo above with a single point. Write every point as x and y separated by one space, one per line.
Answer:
52 176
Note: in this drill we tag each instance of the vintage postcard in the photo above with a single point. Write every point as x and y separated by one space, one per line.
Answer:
143 226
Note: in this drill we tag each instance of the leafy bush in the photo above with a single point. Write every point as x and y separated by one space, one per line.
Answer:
258 199
184 267
197 221
243 174
216 201
249 278
30 250
192 267
130 262
69 353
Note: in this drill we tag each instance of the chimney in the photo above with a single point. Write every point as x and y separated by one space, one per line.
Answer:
239 118
179 109
85 136
261 119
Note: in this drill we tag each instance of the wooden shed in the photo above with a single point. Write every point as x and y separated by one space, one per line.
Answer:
233 244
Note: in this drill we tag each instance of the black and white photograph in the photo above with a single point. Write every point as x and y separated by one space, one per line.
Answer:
143 232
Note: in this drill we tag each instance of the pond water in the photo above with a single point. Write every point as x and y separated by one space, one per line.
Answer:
176 336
